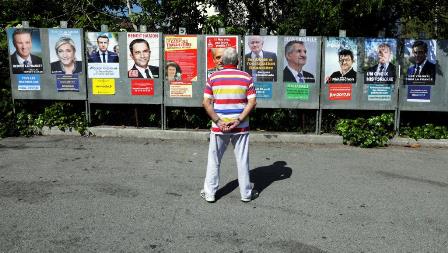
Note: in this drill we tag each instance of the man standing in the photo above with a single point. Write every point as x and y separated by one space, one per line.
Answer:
217 61
140 53
103 55
229 97
295 53
22 61
260 64
423 70
384 71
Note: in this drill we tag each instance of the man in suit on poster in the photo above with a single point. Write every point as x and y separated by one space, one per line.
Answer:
260 64
295 53
384 71
103 55
22 61
422 69
140 52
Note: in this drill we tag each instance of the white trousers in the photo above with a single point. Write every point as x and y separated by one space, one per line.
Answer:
217 147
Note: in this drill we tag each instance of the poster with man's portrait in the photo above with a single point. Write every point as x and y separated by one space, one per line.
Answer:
143 55
340 60
102 55
420 62
260 57
300 59
25 50
215 46
65 51
380 61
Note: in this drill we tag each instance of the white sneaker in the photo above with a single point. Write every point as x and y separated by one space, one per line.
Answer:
253 195
208 198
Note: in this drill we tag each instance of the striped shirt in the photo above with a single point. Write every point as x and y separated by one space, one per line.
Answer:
230 90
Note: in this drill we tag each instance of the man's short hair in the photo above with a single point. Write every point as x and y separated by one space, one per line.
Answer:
21 31
288 46
131 45
384 45
230 56
104 36
420 43
346 52
253 36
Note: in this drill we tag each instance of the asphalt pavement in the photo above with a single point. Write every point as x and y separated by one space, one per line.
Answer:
123 194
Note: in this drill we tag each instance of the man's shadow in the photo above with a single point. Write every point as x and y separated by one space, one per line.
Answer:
261 177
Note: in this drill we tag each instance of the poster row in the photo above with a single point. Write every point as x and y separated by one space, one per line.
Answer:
299 59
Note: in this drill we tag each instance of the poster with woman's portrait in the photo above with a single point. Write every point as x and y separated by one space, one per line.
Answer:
65 51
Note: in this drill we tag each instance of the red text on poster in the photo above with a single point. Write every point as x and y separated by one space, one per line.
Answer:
339 92
142 87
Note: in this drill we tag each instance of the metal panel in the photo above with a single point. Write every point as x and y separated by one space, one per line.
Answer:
48 88
123 84
360 90
197 86
279 97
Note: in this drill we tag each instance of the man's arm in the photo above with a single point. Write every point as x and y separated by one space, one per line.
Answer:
251 103
208 106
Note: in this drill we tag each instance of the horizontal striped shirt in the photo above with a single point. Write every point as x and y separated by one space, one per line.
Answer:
230 90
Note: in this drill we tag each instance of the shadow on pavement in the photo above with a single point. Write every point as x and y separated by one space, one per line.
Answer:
261 177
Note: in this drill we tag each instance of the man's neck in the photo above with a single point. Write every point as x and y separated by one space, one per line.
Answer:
296 67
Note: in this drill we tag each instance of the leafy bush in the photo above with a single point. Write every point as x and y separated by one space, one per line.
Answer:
7 127
427 131
367 133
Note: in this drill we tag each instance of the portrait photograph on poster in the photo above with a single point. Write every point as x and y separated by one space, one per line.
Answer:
419 63
65 51
380 61
260 57
300 59
181 64
215 46
340 60
103 62
25 50
143 55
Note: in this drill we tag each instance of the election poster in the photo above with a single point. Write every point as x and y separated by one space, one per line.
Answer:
215 46
260 57
380 61
103 55
25 51
181 64
340 60
419 63
143 55
65 57
299 60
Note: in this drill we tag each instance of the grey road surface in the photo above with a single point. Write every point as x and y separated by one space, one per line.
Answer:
78 194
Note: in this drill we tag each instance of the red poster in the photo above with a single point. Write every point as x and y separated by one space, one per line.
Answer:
215 47
181 58
339 91
142 87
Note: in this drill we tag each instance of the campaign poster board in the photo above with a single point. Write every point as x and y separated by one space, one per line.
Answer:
181 53
260 57
215 46
102 55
